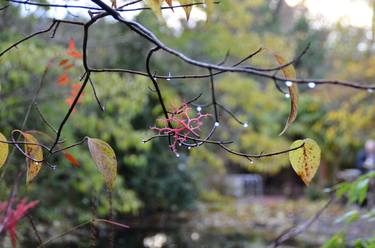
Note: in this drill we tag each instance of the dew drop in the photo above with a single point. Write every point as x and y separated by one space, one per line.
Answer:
199 108
311 85
169 76
245 125
289 83
217 124
287 95
370 91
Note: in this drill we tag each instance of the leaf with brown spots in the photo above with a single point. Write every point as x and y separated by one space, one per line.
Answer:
305 160
105 160
36 153
4 150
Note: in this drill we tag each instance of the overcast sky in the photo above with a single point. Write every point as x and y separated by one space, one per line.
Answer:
326 12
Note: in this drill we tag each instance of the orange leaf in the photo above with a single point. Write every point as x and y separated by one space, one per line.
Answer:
74 54
63 79
71 160
72 46
68 66
63 62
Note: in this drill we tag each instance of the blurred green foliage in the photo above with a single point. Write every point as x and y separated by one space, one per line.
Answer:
151 178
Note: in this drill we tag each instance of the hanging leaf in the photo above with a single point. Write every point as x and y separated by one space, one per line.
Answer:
63 79
210 6
72 160
155 6
114 4
105 160
4 150
35 152
305 160
289 73
72 51
63 62
169 2
187 9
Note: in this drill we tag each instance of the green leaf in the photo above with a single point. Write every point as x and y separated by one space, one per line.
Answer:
337 241
105 160
4 150
342 189
362 187
305 160
348 217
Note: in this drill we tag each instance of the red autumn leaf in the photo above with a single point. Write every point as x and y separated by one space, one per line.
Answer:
68 66
72 46
71 160
69 100
63 62
74 89
72 52
63 79
10 217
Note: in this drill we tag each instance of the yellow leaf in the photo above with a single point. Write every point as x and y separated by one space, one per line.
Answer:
210 6
105 160
187 9
4 150
35 152
289 73
155 6
306 160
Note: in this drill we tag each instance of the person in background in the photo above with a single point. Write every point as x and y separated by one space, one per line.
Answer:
366 158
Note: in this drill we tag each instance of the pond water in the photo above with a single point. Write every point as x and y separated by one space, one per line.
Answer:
186 237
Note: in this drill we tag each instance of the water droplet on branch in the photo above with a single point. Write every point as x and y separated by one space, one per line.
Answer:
311 85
